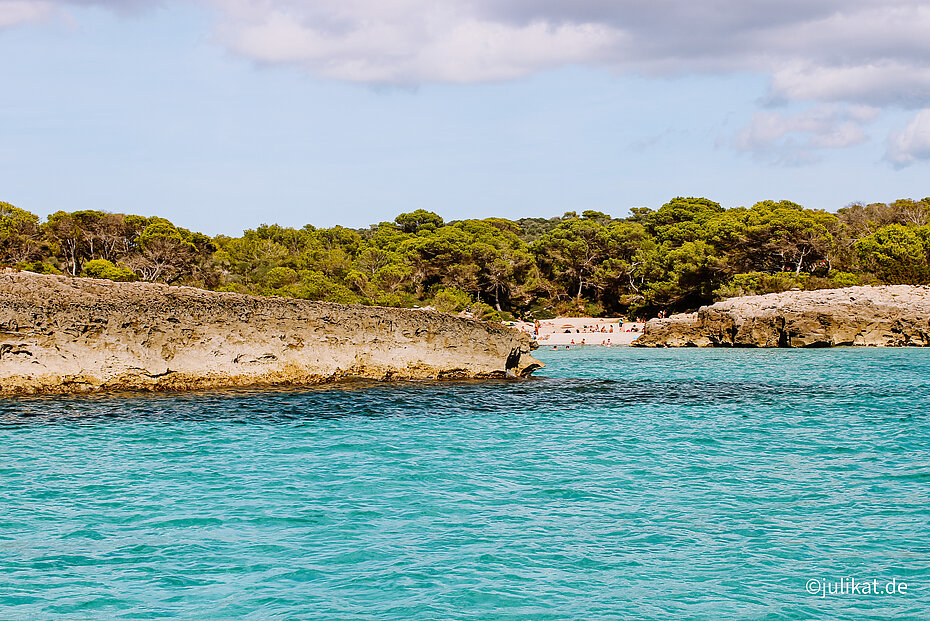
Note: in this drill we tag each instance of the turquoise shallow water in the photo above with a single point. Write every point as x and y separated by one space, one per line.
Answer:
619 484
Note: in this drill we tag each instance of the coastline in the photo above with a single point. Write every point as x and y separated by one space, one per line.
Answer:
572 331
869 316
71 335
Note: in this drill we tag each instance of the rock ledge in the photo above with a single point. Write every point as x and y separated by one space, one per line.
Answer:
60 334
891 316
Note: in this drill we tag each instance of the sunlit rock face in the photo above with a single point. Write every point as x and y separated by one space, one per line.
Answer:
892 316
60 334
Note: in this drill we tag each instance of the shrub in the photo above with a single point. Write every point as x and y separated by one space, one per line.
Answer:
450 300
844 279
485 312
101 268
759 283
39 267
278 277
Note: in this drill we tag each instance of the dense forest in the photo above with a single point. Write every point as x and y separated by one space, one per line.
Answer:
689 252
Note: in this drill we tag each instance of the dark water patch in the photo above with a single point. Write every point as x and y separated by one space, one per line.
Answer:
295 406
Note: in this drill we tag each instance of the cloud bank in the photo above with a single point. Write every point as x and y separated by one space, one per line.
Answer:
865 53
871 52
846 59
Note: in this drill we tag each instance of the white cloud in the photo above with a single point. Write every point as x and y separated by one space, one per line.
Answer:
876 84
912 143
838 53
16 12
873 52
409 42
795 138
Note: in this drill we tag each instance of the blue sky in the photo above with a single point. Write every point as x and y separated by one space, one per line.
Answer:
224 114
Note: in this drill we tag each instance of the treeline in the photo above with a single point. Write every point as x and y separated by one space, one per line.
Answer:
689 252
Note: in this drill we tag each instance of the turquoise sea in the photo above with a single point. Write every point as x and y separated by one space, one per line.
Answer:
617 484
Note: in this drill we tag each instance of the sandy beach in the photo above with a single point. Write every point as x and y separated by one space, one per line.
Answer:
602 331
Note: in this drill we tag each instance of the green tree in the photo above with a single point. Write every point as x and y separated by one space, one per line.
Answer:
20 235
680 220
165 252
501 257
418 221
897 254
66 230
797 238
620 276
572 252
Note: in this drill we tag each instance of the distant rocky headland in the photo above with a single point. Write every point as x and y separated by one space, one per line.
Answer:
889 316
60 334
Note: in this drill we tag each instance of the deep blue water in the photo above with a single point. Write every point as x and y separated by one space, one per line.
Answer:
618 484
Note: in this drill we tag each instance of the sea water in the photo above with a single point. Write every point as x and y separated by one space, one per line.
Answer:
617 484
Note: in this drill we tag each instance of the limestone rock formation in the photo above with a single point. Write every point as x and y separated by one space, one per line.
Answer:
890 316
60 334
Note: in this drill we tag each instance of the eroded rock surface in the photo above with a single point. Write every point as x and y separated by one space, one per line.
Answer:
60 334
891 316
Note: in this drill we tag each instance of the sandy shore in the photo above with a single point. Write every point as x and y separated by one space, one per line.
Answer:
583 331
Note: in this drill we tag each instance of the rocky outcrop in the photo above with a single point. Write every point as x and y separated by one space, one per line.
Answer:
60 334
892 316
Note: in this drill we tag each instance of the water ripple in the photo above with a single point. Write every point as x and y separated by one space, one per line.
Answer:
621 484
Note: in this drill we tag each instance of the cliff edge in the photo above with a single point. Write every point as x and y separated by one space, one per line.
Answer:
60 334
891 316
